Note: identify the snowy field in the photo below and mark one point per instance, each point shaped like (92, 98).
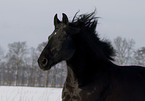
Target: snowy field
(29, 94)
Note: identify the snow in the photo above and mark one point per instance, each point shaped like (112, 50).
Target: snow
(29, 94)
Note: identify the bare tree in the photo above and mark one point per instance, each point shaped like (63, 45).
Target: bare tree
(34, 66)
(15, 57)
(124, 50)
(1, 54)
(139, 56)
(2, 65)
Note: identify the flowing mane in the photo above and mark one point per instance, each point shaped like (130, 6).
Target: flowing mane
(88, 22)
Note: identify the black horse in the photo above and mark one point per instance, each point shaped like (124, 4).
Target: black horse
(92, 76)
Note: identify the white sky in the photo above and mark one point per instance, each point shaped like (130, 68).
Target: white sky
(32, 20)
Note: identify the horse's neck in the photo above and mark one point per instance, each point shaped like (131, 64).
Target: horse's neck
(82, 70)
(71, 79)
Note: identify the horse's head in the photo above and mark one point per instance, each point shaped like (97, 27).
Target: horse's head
(60, 45)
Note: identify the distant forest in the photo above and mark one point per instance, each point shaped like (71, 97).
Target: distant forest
(18, 67)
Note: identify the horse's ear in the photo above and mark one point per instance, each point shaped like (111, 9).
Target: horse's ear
(56, 20)
(64, 18)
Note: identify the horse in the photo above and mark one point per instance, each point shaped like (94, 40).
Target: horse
(91, 73)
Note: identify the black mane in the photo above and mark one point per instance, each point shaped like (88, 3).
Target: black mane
(89, 22)
(86, 21)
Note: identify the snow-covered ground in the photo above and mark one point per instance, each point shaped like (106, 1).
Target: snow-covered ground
(29, 94)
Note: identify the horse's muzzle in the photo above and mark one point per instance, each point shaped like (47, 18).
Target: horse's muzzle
(43, 63)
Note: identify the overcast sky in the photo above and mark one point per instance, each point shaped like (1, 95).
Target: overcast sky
(32, 20)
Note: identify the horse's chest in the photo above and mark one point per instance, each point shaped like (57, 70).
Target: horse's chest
(71, 93)
(76, 94)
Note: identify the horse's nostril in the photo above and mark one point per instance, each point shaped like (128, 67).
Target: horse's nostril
(44, 61)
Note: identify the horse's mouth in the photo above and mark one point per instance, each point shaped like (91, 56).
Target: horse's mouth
(45, 69)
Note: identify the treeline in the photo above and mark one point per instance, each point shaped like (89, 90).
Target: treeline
(18, 67)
